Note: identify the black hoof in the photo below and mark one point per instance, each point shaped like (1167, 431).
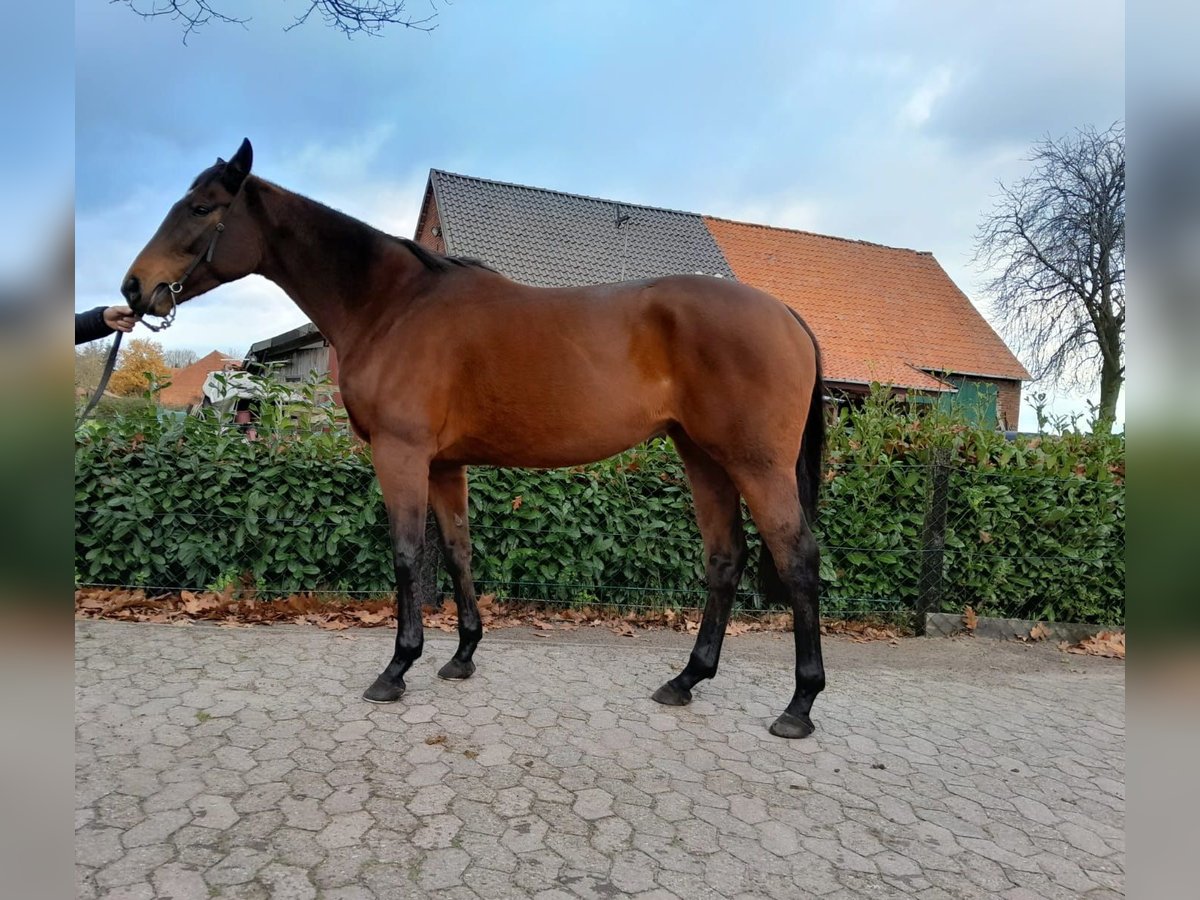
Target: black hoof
(672, 695)
(384, 690)
(457, 669)
(793, 727)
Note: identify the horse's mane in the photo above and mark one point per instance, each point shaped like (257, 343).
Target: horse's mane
(436, 262)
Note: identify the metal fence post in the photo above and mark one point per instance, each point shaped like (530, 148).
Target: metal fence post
(933, 539)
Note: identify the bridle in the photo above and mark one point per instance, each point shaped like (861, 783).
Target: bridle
(176, 287)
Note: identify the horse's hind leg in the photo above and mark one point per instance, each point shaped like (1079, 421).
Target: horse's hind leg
(403, 477)
(718, 512)
(448, 498)
(775, 506)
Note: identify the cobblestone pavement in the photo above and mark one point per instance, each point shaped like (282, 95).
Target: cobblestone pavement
(241, 763)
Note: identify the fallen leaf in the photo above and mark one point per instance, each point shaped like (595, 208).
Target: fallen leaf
(194, 606)
(1109, 644)
(970, 620)
(370, 618)
(435, 739)
(124, 600)
(1039, 632)
(91, 601)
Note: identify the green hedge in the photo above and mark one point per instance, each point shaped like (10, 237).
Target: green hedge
(1035, 527)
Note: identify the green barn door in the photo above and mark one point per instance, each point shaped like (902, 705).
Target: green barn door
(975, 401)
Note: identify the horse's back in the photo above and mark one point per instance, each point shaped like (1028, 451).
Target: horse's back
(526, 376)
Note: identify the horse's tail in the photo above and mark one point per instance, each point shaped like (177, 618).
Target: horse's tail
(808, 474)
(812, 445)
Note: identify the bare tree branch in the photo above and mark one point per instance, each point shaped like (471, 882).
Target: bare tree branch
(351, 18)
(193, 14)
(1056, 241)
(363, 18)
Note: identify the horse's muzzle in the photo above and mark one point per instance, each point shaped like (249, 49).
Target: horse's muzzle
(131, 290)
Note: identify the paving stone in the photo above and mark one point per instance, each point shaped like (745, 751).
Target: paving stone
(211, 811)
(97, 847)
(156, 828)
(239, 866)
(593, 803)
(134, 866)
(344, 830)
(142, 891)
(442, 869)
(551, 774)
(180, 882)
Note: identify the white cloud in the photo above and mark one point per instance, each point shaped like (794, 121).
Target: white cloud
(323, 161)
(919, 106)
(356, 177)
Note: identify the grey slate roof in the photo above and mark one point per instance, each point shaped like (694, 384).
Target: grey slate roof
(551, 239)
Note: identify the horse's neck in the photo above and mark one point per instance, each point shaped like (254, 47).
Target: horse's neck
(327, 262)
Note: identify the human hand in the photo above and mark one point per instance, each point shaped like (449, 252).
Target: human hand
(120, 318)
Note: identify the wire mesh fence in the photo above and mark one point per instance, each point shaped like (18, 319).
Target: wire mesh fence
(896, 539)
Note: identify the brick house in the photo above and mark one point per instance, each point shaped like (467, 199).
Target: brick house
(880, 313)
(187, 383)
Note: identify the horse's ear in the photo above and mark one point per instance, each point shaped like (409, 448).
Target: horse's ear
(238, 168)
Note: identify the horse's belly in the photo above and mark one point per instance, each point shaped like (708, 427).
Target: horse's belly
(548, 438)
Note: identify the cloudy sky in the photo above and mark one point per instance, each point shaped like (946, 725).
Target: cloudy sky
(886, 121)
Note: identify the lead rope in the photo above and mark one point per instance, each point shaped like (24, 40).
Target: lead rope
(176, 288)
(105, 375)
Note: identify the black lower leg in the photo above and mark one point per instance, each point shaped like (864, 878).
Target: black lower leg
(470, 630)
(724, 574)
(457, 551)
(448, 498)
(800, 579)
(410, 633)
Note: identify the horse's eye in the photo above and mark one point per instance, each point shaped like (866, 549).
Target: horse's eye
(201, 210)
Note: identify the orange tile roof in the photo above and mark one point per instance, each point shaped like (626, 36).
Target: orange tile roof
(880, 313)
(187, 383)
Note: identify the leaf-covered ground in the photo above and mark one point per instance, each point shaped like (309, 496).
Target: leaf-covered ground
(229, 611)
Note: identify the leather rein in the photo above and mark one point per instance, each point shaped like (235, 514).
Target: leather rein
(175, 288)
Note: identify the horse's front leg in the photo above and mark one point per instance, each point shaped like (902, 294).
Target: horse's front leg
(448, 500)
(404, 478)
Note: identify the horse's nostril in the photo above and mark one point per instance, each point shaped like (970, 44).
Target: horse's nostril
(132, 289)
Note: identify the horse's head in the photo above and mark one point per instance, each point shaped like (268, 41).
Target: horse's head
(206, 239)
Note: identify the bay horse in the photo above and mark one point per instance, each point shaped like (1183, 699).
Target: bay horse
(445, 363)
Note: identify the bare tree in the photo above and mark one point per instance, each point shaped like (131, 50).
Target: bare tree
(89, 364)
(177, 357)
(365, 17)
(1057, 239)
